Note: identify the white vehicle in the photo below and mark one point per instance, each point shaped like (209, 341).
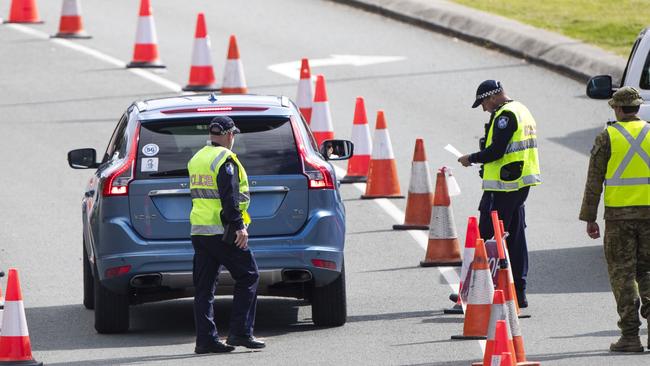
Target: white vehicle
(636, 74)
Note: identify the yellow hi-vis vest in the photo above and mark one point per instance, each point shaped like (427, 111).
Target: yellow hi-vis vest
(206, 203)
(627, 180)
(522, 147)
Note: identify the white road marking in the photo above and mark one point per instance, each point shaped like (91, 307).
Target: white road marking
(449, 273)
(291, 69)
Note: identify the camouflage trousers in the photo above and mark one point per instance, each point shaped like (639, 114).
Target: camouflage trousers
(627, 250)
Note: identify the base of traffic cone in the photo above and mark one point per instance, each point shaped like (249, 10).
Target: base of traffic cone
(15, 22)
(201, 88)
(72, 36)
(21, 363)
(354, 179)
(525, 363)
(441, 264)
(467, 338)
(456, 309)
(364, 197)
(527, 316)
(410, 227)
(145, 65)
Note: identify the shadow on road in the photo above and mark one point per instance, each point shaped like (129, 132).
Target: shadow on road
(70, 327)
(568, 270)
(579, 141)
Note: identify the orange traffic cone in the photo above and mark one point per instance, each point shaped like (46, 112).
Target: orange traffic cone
(420, 196)
(15, 347)
(443, 248)
(321, 119)
(498, 313)
(358, 163)
(305, 96)
(471, 235)
(24, 11)
(501, 343)
(201, 72)
(504, 257)
(2, 303)
(145, 52)
(481, 292)
(234, 81)
(382, 170)
(71, 24)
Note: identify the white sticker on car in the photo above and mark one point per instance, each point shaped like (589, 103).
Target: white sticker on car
(150, 150)
(149, 165)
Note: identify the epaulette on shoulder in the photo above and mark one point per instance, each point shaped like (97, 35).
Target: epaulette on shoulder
(609, 123)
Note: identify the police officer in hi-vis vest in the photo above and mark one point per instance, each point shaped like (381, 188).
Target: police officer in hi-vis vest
(620, 159)
(219, 218)
(508, 153)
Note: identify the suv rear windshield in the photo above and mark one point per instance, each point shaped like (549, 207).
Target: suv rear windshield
(266, 146)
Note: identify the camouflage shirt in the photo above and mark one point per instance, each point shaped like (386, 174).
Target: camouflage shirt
(600, 154)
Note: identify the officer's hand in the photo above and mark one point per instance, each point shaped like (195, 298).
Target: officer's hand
(593, 230)
(464, 160)
(242, 239)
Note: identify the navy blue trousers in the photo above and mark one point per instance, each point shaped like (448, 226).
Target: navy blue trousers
(510, 206)
(209, 254)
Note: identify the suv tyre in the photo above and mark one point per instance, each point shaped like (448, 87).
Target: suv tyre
(111, 310)
(89, 292)
(329, 304)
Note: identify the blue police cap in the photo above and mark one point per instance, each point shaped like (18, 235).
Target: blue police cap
(485, 89)
(222, 125)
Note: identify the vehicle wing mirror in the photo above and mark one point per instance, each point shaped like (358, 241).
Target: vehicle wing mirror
(600, 87)
(82, 159)
(337, 149)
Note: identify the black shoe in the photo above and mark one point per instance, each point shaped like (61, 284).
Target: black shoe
(218, 347)
(246, 341)
(521, 299)
(453, 297)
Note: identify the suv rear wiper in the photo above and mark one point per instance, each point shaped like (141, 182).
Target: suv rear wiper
(175, 172)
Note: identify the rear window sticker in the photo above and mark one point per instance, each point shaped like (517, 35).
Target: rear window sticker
(149, 165)
(150, 150)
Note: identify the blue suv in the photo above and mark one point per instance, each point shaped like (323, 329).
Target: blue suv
(135, 209)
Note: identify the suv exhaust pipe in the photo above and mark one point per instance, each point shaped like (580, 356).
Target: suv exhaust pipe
(146, 280)
(296, 276)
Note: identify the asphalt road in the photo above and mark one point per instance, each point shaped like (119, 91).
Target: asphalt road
(54, 98)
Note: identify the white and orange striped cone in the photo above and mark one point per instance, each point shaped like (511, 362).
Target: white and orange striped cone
(305, 96)
(145, 52)
(234, 81)
(443, 248)
(360, 161)
(513, 319)
(24, 11)
(71, 24)
(321, 118)
(498, 313)
(420, 196)
(471, 235)
(201, 72)
(479, 300)
(504, 257)
(382, 170)
(15, 347)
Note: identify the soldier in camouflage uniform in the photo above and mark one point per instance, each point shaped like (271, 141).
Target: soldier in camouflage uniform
(620, 160)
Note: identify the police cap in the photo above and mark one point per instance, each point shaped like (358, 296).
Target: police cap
(222, 125)
(485, 89)
(626, 96)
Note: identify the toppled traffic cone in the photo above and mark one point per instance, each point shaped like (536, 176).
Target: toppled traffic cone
(145, 52)
(420, 196)
(479, 300)
(234, 81)
(382, 171)
(359, 162)
(15, 347)
(443, 248)
(201, 72)
(305, 96)
(71, 24)
(471, 235)
(321, 118)
(24, 11)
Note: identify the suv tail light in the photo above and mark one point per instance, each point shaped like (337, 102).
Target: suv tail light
(117, 183)
(317, 172)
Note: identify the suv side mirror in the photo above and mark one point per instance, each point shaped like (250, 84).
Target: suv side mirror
(337, 149)
(82, 159)
(600, 87)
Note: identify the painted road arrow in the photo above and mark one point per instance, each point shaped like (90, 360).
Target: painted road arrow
(291, 69)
